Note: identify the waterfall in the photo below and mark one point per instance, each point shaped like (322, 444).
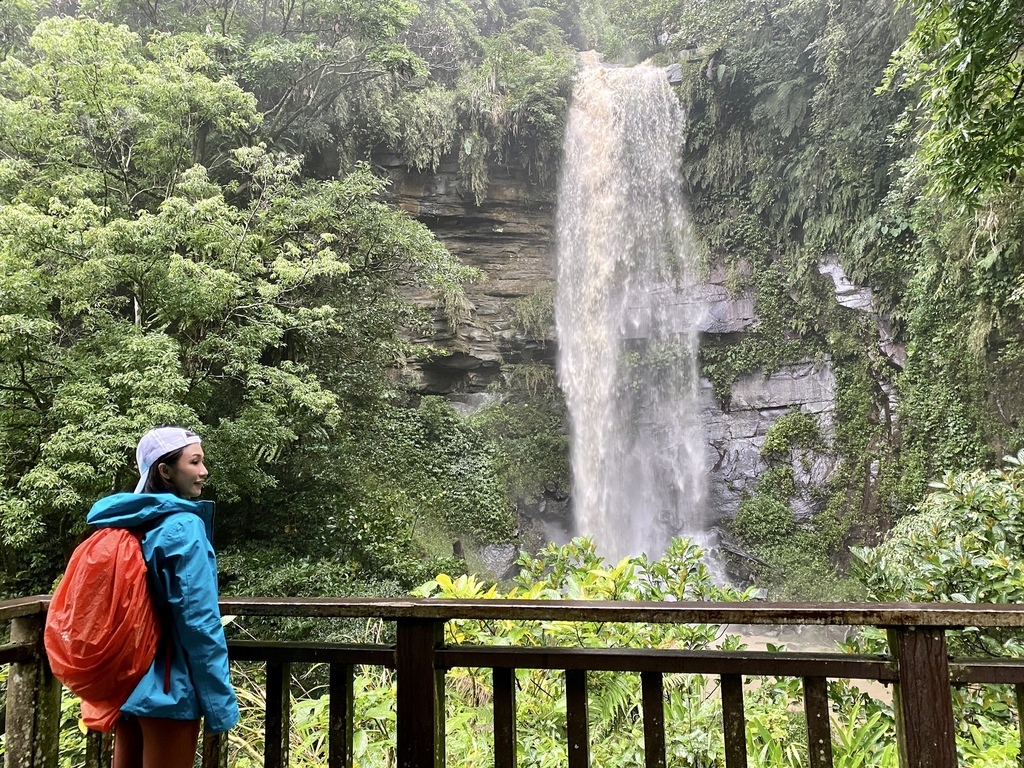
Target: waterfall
(626, 315)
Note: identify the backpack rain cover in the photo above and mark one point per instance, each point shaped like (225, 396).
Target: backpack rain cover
(101, 629)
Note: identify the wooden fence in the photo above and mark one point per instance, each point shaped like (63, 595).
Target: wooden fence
(918, 667)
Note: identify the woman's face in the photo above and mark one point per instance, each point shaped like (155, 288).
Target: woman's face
(188, 474)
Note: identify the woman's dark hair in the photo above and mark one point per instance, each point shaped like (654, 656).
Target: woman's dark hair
(155, 482)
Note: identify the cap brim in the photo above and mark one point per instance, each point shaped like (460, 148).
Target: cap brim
(141, 485)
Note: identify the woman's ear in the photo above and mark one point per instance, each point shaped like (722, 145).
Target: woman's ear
(164, 470)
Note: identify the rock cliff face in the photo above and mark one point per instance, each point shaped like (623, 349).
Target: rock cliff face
(735, 436)
(511, 238)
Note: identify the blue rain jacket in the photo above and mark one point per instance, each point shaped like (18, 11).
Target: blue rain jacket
(183, 577)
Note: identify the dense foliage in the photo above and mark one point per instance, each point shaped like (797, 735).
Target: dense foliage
(964, 544)
(188, 233)
(159, 264)
(966, 59)
(862, 725)
(483, 82)
(823, 133)
(693, 710)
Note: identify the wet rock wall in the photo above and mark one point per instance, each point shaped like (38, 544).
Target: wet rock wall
(510, 237)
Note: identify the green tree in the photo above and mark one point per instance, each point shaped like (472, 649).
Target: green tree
(337, 80)
(88, 110)
(965, 59)
(962, 67)
(302, 61)
(138, 289)
(963, 544)
(506, 108)
(17, 18)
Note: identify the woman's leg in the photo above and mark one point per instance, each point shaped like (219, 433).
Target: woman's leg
(127, 744)
(168, 743)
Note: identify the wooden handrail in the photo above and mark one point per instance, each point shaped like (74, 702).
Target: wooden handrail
(947, 615)
(23, 606)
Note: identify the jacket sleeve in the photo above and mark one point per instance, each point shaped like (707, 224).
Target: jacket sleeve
(192, 597)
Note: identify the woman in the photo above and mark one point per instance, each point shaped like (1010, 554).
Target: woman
(159, 724)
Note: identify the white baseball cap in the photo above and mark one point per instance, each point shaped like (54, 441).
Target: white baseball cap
(157, 443)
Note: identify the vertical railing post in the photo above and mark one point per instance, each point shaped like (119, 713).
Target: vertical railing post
(420, 706)
(734, 723)
(576, 718)
(922, 701)
(1018, 694)
(215, 750)
(819, 731)
(278, 720)
(342, 705)
(652, 694)
(99, 749)
(504, 685)
(33, 703)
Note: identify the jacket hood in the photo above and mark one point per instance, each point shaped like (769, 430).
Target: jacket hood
(133, 510)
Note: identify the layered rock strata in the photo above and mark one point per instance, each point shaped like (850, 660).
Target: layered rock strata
(510, 238)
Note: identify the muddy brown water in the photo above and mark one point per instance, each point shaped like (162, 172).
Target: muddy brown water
(805, 639)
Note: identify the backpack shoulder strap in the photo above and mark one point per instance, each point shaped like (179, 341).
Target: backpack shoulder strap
(162, 609)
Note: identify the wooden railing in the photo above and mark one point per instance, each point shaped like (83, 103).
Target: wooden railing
(918, 668)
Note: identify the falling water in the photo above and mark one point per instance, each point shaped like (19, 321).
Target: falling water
(626, 318)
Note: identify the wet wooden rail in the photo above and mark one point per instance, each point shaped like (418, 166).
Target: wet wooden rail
(918, 668)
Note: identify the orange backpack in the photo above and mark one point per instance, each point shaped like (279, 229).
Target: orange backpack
(102, 629)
